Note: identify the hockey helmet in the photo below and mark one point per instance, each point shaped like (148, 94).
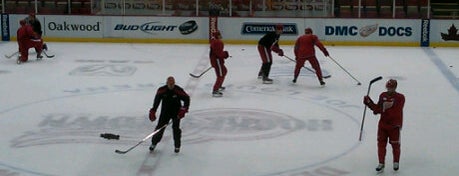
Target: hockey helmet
(391, 83)
(216, 34)
(22, 22)
(279, 27)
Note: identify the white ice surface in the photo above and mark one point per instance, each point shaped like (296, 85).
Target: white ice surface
(52, 112)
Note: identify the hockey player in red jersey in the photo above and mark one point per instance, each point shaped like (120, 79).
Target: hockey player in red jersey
(304, 50)
(217, 60)
(36, 26)
(171, 97)
(27, 39)
(390, 106)
(269, 42)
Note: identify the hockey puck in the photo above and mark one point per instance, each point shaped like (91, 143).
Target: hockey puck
(110, 136)
(359, 83)
(188, 27)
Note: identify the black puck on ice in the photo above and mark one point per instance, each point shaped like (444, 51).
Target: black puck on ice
(110, 136)
(188, 27)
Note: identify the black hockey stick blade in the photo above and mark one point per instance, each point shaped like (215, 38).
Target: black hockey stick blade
(48, 56)
(10, 56)
(198, 76)
(194, 76)
(120, 152)
(143, 140)
(326, 76)
(375, 79)
(125, 151)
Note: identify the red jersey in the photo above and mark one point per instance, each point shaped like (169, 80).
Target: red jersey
(25, 33)
(304, 46)
(390, 106)
(217, 52)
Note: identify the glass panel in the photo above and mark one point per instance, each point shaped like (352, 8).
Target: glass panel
(400, 9)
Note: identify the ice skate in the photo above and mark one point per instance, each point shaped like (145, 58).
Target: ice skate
(217, 93)
(221, 89)
(380, 167)
(177, 150)
(294, 80)
(260, 75)
(322, 83)
(396, 166)
(39, 56)
(267, 81)
(152, 147)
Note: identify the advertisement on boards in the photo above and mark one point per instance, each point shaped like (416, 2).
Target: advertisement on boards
(75, 26)
(425, 32)
(5, 27)
(372, 30)
(257, 28)
(444, 31)
(156, 27)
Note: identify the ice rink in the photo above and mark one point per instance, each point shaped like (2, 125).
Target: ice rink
(52, 112)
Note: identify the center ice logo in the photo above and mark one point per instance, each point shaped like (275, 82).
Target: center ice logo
(53, 131)
(239, 124)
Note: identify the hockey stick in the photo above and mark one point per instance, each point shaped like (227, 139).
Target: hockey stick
(358, 82)
(46, 54)
(17, 52)
(198, 76)
(11, 55)
(143, 140)
(365, 109)
(307, 68)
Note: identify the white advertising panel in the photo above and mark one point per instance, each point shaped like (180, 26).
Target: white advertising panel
(72, 26)
(353, 30)
(255, 28)
(384, 30)
(14, 23)
(444, 31)
(156, 27)
(245, 30)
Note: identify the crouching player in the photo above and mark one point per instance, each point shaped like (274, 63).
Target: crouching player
(27, 39)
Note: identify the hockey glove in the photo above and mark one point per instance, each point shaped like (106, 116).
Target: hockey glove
(182, 112)
(367, 100)
(152, 115)
(281, 52)
(326, 53)
(225, 54)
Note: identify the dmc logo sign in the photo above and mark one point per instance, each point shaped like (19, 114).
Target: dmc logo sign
(367, 30)
(149, 27)
(262, 28)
